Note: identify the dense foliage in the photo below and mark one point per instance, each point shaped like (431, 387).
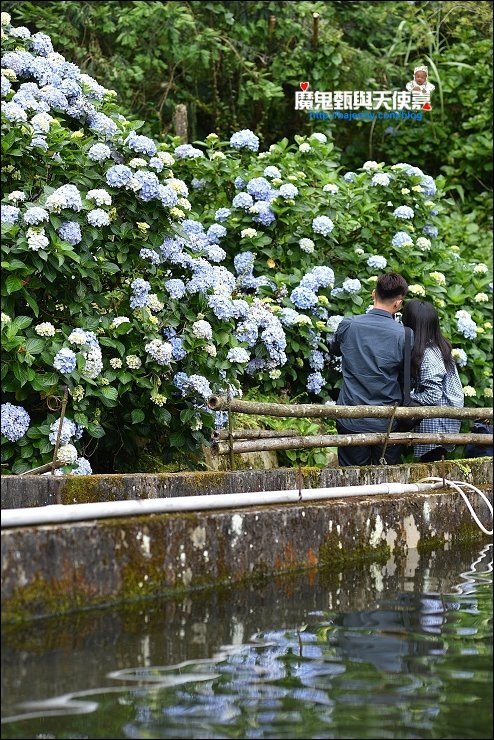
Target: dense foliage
(146, 276)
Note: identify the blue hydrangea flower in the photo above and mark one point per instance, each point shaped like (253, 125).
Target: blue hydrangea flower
(430, 230)
(377, 262)
(303, 298)
(215, 253)
(176, 288)
(404, 212)
(41, 44)
(65, 361)
(322, 225)
(36, 215)
(168, 196)
(14, 421)
(352, 285)
(288, 316)
(244, 262)
(428, 186)
(243, 200)
(151, 255)
(13, 112)
(140, 289)
(141, 144)
(102, 125)
(316, 359)
(178, 352)
(200, 385)
(239, 183)
(401, 239)
(259, 188)
(187, 151)
(83, 467)
(380, 178)
(99, 152)
(238, 354)
(315, 382)
(118, 175)
(98, 217)
(5, 86)
(9, 214)
(70, 232)
(222, 214)
(192, 227)
(272, 172)
(262, 213)
(349, 176)
(245, 139)
(215, 232)
(288, 191)
(39, 142)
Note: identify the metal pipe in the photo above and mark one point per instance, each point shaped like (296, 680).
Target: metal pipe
(63, 513)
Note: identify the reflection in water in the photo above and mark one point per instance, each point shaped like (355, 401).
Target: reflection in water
(397, 651)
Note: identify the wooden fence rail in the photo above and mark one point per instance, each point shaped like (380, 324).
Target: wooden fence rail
(252, 440)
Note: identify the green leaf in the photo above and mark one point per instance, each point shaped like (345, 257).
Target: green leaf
(35, 345)
(137, 416)
(96, 431)
(13, 284)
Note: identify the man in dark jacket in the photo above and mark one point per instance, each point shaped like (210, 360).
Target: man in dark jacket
(371, 347)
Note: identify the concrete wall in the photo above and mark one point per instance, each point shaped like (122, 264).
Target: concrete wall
(41, 490)
(54, 569)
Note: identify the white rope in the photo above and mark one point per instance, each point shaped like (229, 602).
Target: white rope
(456, 485)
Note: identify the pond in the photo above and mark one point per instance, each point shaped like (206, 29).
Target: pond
(395, 650)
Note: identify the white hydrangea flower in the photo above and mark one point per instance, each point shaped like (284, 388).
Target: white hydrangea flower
(45, 329)
(116, 363)
(119, 320)
(16, 196)
(166, 158)
(370, 165)
(416, 290)
(304, 148)
(306, 245)
(133, 362)
(67, 454)
(77, 336)
(41, 122)
(100, 197)
(481, 298)
(248, 233)
(153, 302)
(438, 278)
(480, 269)
(322, 138)
(331, 188)
(37, 239)
(137, 162)
(423, 243)
(469, 392)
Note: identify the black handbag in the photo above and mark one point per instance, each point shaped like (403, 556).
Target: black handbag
(407, 425)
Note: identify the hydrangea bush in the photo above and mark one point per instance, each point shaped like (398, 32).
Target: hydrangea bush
(145, 276)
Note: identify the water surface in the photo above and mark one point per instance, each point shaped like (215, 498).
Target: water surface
(402, 650)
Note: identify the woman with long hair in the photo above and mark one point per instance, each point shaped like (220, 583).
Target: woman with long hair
(435, 378)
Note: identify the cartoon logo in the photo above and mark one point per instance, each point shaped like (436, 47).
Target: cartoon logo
(420, 87)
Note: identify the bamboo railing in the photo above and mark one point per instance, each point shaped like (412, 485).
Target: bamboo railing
(249, 440)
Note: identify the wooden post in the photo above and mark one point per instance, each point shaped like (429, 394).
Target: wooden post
(315, 30)
(180, 122)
